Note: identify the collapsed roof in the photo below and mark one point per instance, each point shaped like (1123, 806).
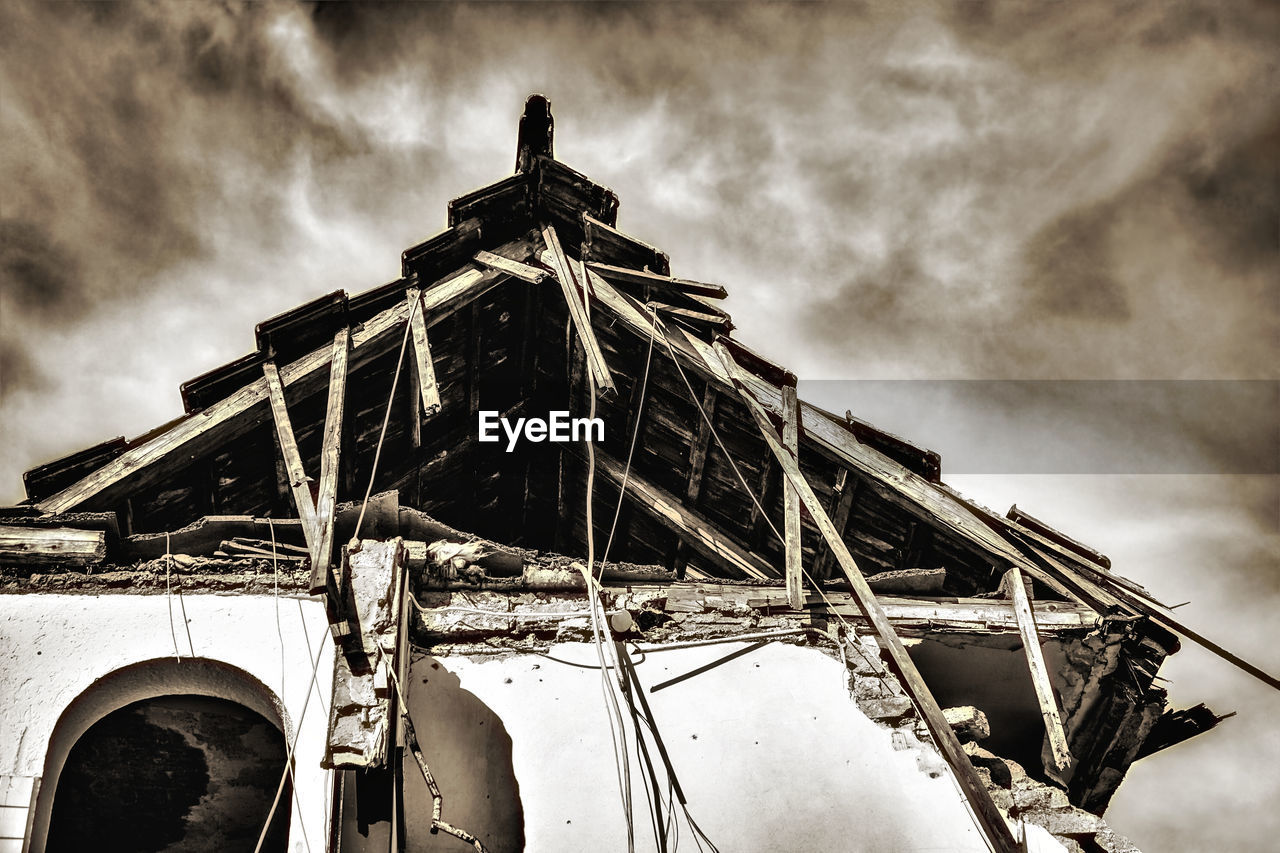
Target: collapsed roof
(530, 301)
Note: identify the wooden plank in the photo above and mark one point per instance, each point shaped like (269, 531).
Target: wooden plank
(791, 503)
(298, 482)
(988, 815)
(51, 546)
(330, 451)
(150, 461)
(702, 535)
(582, 323)
(524, 272)
(429, 391)
(1039, 672)
(640, 278)
(844, 493)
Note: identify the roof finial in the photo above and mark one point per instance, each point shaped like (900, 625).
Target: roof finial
(536, 129)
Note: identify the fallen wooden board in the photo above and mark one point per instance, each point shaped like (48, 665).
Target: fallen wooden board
(1039, 672)
(51, 546)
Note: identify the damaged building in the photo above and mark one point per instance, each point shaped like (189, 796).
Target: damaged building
(322, 611)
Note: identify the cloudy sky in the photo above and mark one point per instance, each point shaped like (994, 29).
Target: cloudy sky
(898, 191)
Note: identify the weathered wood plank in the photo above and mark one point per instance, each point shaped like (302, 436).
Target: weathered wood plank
(330, 452)
(1039, 672)
(426, 368)
(640, 278)
(791, 503)
(697, 462)
(698, 532)
(989, 817)
(581, 321)
(51, 546)
(298, 482)
(524, 272)
(162, 455)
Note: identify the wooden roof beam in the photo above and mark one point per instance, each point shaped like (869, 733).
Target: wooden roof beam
(577, 310)
(701, 534)
(662, 283)
(1039, 672)
(988, 815)
(791, 503)
(322, 576)
(298, 481)
(428, 390)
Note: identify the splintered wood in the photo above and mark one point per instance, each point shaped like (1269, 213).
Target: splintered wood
(360, 714)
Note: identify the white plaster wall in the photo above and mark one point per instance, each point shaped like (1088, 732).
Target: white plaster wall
(772, 752)
(53, 647)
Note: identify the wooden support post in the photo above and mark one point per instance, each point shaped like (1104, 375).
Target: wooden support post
(327, 498)
(791, 502)
(846, 491)
(1039, 672)
(578, 312)
(988, 815)
(700, 534)
(298, 484)
(427, 388)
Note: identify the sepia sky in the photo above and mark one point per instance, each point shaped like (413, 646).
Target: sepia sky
(891, 191)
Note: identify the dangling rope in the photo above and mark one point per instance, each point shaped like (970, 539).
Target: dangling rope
(386, 418)
(168, 596)
(635, 431)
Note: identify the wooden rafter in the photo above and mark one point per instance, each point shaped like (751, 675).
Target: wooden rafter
(701, 534)
(1039, 672)
(330, 454)
(989, 817)
(577, 310)
(298, 482)
(424, 365)
(791, 503)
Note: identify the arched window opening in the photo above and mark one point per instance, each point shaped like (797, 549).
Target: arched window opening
(190, 773)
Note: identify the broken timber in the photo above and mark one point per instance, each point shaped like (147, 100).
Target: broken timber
(298, 481)
(51, 546)
(1039, 672)
(988, 815)
(327, 500)
(791, 502)
(425, 366)
(577, 310)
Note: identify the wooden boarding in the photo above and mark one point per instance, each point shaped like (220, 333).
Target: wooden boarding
(51, 546)
(581, 322)
(524, 272)
(846, 489)
(988, 815)
(302, 499)
(322, 578)
(791, 503)
(425, 366)
(1039, 672)
(698, 532)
